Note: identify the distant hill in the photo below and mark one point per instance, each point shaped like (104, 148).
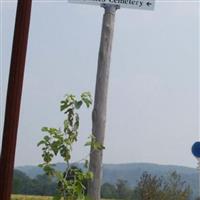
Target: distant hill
(130, 172)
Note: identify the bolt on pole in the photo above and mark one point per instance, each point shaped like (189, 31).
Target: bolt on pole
(13, 100)
(100, 102)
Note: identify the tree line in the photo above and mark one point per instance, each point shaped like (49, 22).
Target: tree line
(41, 185)
(149, 187)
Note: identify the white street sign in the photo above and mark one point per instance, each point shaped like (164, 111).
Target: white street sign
(135, 4)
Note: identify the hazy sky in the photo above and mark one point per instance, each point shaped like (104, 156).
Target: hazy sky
(153, 91)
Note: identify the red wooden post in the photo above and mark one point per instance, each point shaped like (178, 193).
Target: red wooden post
(14, 92)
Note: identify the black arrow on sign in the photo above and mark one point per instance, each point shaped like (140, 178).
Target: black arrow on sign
(149, 4)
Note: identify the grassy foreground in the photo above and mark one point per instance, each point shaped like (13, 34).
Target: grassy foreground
(27, 197)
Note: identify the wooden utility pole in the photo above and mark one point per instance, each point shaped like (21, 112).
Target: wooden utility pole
(100, 102)
(14, 97)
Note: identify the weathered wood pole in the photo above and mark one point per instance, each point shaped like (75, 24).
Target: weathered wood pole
(100, 102)
(14, 92)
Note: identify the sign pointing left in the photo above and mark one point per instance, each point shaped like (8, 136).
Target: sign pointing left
(135, 4)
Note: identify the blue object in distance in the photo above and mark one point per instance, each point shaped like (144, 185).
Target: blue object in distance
(196, 149)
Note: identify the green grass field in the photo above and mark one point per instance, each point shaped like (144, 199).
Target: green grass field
(27, 197)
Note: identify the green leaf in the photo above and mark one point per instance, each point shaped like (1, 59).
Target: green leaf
(55, 147)
(90, 175)
(46, 138)
(86, 98)
(70, 110)
(63, 105)
(98, 146)
(45, 129)
(78, 104)
(40, 143)
(41, 165)
(88, 143)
